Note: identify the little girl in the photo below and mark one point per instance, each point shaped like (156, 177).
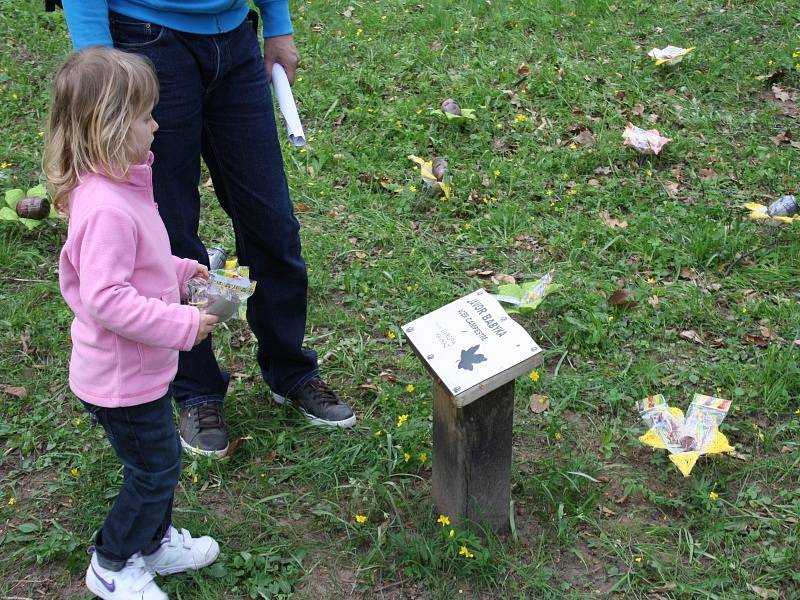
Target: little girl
(118, 276)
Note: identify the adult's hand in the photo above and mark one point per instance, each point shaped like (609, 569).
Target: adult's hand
(281, 49)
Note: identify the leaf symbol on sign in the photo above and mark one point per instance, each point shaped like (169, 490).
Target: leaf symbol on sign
(470, 357)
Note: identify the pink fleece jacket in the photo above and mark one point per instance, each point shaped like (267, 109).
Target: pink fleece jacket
(119, 277)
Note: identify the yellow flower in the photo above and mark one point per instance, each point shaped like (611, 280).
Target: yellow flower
(195, 478)
(4, 165)
(452, 533)
(564, 176)
(359, 31)
(651, 280)
(520, 118)
(548, 192)
(464, 551)
(443, 520)
(637, 558)
(557, 435)
(497, 172)
(378, 433)
(573, 146)
(534, 376)
(423, 457)
(572, 192)
(761, 435)
(361, 519)
(12, 501)
(406, 456)
(610, 318)
(390, 334)
(797, 412)
(649, 172)
(410, 388)
(771, 62)
(713, 496)
(795, 54)
(499, 126)
(412, 188)
(75, 472)
(401, 420)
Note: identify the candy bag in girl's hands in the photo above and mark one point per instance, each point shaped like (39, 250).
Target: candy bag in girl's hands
(224, 293)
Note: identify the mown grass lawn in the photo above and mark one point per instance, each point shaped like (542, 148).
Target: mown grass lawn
(528, 198)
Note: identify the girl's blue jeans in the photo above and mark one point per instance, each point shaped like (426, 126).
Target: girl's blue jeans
(146, 443)
(215, 103)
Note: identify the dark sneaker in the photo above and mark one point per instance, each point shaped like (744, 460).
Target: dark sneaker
(320, 404)
(203, 430)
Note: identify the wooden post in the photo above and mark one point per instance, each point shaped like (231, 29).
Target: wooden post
(474, 351)
(472, 457)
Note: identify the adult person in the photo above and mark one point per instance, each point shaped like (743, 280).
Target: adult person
(215, 102)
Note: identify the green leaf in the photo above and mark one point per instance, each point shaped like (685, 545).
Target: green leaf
(28, 527)
(14, 196)
(39, 191)
(8, 214)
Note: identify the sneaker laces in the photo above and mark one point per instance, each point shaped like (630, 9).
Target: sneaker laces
(322, 393)
(209, 416)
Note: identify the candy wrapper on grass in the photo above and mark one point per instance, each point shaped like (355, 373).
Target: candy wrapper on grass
(434, 175)
(686, 439)
(648, 141)
(671, 55)
(783, 210)
(224, 294)
(453, 113)
(527, 297)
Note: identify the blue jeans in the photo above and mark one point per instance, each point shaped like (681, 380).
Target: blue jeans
(216, 103)
(147, 445)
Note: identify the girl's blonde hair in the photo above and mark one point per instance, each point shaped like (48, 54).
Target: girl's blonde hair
(97, 94)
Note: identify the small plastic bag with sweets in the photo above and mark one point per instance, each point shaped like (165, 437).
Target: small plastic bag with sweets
(655, 412)
(702, 422)
(224, 293)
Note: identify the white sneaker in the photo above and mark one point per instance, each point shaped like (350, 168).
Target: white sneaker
(181, 552)
(133, 582)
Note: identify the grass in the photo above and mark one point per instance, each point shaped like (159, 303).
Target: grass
(525, 202)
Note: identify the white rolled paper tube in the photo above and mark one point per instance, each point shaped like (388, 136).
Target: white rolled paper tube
(283, 93)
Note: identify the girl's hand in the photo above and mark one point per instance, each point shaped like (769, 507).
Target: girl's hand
(201, 272)
(207, 323)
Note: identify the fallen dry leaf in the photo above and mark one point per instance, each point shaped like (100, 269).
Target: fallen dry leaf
(479, 272)
(621, 299)
(593, 182)
(236, 444)
(739, 455)
(602, 171)
(783, 136)
(692, 336)
(781, 94)
(687, 273)
(523, 69)
(538, 403)
(707, 173)
(757, 340)
(653, 301)
(348, 12)
(611, 221)
(765, 593)
(670, 92)
(637, 109)
(606, 512)
(503, 278)
(12, 390)
(584, 138)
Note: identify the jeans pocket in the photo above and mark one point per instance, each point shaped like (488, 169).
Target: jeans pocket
(132, 35)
